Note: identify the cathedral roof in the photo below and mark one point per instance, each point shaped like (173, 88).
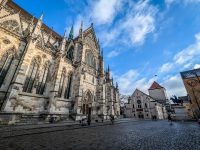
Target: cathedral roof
(155, 85)
(25, 14)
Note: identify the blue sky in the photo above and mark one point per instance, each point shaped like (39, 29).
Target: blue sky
(140, 38)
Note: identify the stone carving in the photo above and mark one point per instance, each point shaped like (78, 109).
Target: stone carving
(27, 106)
(90, 40)
(60, 104)
(6, 41)
(11, 25)
(15, 87)
(55, 71)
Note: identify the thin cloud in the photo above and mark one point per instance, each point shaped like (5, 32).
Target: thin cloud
(174, 86)
(104, 11)
(165, 68)
(133, 28)
(113, 54)
(189, 53)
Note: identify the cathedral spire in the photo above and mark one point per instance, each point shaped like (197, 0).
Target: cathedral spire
(102, 53)
(19, 12)
(62, 45)
(31, 22)
(32, 19)
(108, 72)
(71, 34)
(28, 30)
(112, 80)
(50, 35)
(38, 24)
(116, 85)
(81, 29)
(41, 17)
(65, 35)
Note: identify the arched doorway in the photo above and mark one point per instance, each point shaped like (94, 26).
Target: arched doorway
(140, 115)
(87, 104)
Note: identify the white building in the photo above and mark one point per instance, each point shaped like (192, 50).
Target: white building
(159, 94)
(141, 105)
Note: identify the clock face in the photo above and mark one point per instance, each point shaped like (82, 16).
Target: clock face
(139, 101)
(192, 82)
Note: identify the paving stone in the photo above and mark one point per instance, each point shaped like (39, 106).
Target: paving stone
(129, 135)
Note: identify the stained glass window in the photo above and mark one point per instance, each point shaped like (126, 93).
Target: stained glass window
(5, 64)
(31, 76)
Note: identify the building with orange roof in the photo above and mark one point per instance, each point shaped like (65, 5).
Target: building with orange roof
(158, 92)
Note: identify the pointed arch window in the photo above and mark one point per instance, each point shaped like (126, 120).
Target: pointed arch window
(5, 64)
(43, 80)
(94, 64)
(87, 59)
(68, 88)
(30, 79)
(62, 79)
(70, 53)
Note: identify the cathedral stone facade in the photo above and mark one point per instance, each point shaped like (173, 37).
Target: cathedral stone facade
(43, 74)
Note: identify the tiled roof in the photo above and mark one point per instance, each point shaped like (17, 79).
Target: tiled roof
(155, 85)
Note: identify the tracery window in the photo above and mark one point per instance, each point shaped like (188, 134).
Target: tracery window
(43, 80)
(30, 79)
(68, 87)
(90, 59)
(62, 79)
(87, 59)
(70, 53)
(5, 64)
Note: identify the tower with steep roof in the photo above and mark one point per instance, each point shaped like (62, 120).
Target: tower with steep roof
(158, 92)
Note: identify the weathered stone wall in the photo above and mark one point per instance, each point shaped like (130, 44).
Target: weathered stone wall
(30, 40)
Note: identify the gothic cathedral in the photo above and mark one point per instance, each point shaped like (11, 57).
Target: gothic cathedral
(43, 74)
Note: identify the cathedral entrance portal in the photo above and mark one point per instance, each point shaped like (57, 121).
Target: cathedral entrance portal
(140, 115)
(87, 104)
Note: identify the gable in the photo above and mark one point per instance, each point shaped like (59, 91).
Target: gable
(12, 23)
(90, 38)
(155, 85)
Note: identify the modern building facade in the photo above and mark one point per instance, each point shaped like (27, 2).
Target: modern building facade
(44, 74)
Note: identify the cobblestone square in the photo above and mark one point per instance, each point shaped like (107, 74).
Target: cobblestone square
(130, 135)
